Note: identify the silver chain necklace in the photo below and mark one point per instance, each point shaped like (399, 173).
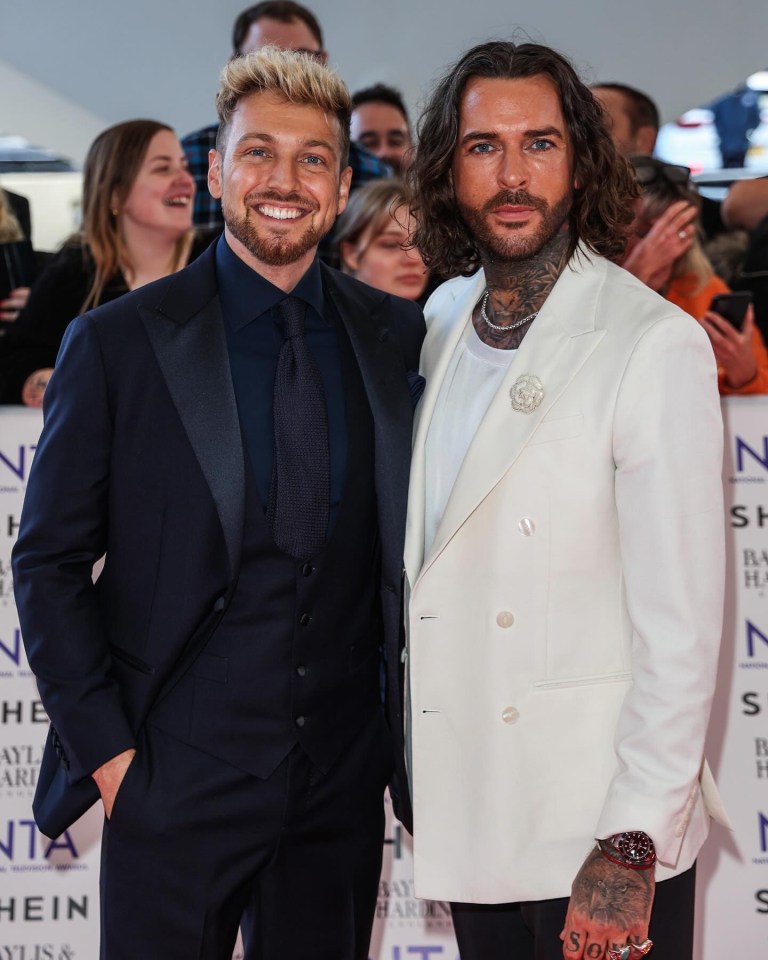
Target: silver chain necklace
(496, 326)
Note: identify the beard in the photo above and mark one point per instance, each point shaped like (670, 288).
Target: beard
(509, 242)
(272, 249)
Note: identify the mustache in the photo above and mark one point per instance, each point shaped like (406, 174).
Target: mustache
(272, 196)
(514, 198)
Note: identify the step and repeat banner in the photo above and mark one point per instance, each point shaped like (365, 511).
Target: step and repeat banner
(49, 888)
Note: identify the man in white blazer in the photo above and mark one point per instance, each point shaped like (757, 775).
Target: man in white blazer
(564, 547)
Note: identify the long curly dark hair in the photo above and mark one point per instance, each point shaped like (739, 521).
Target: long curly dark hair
(602, 208)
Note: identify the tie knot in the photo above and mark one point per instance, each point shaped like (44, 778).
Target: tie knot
(292, 311)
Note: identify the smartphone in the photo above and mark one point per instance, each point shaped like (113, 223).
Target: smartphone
(732, 306)
(17, 266)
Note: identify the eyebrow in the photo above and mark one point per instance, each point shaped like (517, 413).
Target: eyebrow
(269, 138)
(474, 135)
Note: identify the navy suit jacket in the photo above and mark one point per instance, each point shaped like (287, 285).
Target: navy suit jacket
(141, 461)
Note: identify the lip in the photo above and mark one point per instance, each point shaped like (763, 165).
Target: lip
(178, 201)
(411, 278)
(509, 212)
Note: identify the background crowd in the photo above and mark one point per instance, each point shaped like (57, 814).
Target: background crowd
(146, 212)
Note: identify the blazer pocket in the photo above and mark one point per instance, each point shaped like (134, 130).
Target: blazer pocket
(622, 676)
(559, 429)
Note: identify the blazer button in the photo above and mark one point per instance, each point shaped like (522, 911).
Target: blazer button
(510, 715)
(301, 670)
(300, 721)
(526, 527)
(505, 619)
(304, 619)
(219, 605)
(307, 570)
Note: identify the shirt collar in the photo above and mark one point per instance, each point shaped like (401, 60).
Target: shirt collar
(245, 294)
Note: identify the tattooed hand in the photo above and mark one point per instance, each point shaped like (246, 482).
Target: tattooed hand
(610, 906)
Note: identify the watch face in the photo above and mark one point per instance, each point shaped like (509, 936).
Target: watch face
(636, 846)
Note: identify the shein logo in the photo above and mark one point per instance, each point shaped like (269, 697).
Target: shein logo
(743, 450)
(18, 463)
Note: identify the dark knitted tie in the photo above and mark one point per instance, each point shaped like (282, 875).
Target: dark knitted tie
(299, 496)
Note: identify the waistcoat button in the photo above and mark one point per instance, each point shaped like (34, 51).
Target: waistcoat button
(505, 619)
(304, 619)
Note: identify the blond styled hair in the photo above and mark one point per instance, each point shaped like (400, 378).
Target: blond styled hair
(294, 77)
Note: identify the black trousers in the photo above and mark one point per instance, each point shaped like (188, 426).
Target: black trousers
(531, 930)
(196, 847)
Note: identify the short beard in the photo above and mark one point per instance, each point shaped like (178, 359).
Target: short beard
(515, 246)
(275, 251)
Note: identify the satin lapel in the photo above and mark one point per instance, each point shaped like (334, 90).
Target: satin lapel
(366, 318)
(558, 344)
(193, 356)
(449, 329)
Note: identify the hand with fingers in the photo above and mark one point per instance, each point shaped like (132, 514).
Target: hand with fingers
(13, 304)
(733, 348)
(651, 259)
(609, 911)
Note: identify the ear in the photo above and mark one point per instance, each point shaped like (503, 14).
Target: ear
(349, 256)
(345, 181)
(215, 161)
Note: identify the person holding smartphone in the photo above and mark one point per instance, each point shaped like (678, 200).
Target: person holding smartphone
(675, 265)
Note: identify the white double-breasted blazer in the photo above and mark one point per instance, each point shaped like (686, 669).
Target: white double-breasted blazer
(564, 625)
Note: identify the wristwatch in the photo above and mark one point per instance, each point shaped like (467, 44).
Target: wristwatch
(633, 849)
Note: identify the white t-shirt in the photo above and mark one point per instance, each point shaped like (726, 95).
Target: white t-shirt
(473, 376)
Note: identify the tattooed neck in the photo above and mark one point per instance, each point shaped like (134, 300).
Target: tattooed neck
(519, 288)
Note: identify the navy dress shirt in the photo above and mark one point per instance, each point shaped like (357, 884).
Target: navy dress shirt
(254, 337)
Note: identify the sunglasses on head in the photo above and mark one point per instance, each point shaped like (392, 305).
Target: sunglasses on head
(649, 169)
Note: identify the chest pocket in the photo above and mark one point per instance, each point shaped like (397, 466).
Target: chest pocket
(560, 428)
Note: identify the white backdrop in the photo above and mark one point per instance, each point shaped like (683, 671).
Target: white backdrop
(49, 889)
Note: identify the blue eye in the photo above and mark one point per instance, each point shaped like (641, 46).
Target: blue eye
(482, 148)
(541, 145)
(314, 161)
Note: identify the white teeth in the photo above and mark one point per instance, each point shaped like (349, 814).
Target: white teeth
(177, 202)
(280, 213)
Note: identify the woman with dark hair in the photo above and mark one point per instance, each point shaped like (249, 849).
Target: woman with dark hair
(673, 262)
(137, 227)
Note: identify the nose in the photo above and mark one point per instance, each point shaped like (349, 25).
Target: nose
(185, 178)
(283, 175)
(513, 169)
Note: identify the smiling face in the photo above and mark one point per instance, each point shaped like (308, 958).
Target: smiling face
(512, 167)
(160, 198)
(379, 258)
(280, 182)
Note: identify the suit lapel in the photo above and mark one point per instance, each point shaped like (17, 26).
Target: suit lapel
(449, 330)
(366, 317)
(190, 344)
(554, 350)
